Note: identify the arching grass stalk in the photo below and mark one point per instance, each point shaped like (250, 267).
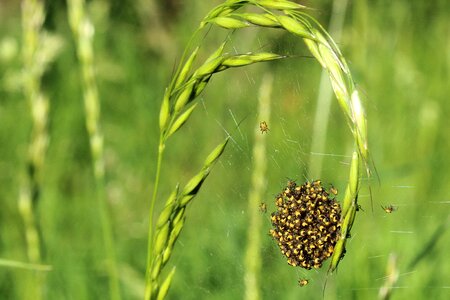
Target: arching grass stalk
(188, 83)
(83, 31)
(39, 48)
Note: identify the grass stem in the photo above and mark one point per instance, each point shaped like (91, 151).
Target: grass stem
(253, 252)
(32, 23)
(148, 280)
(83, 31)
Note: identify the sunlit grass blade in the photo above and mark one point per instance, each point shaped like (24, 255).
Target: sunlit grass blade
(26, 266)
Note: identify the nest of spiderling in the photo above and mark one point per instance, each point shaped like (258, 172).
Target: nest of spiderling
(306, 224)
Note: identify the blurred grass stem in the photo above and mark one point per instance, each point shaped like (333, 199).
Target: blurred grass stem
(32, 21)
(24, 266)
(83, 31)
(253, 252)
(323, 106)
(392, 275)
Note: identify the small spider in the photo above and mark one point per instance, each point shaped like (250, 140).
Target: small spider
(263, 207)
(333, 190)
(263, 127)
(389, 209)
(303, 282)
(359, 207)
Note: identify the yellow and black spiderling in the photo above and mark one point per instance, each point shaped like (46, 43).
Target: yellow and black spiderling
(263, 207)
(333, 190)
(264, 127)
(303, 282)
(306, 224)
(389, 209)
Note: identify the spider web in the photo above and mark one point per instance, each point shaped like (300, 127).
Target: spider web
(387, 251)
(384, 250)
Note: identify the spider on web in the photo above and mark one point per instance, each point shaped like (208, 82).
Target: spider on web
(303, 282)
(264, 127)
(389, 209)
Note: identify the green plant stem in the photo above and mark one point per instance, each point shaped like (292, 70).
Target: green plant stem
(83, 31)
(108, 240)
(24, 265)
(33, 16)
(253, 253)
(148, 280)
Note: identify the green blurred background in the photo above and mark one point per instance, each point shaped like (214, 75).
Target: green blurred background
(399, 53)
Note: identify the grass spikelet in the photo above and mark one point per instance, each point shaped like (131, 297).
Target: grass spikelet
(218, 52)
(184, 96)
(248, 59)
(161, 238)
(200, 86)
(178, 226)
(192, 187)
(264, 20)
(293, 26)
(353, 183)
(278, 4)
(361, 125)
(186, 68)
(164, 289)
(209, 67)
(349, 208)
(164, 112)
(181, 120)
(164, 215)
(156, 268)
(215, 154)
(229, 22)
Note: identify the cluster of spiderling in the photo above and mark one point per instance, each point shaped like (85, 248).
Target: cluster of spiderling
(306, 224)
